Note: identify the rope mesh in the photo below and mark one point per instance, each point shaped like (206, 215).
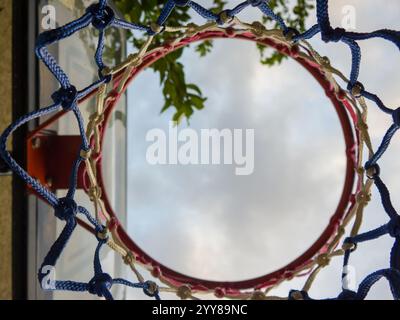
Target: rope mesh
(112, 83)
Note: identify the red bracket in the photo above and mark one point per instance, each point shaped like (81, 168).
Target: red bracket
(50, 159)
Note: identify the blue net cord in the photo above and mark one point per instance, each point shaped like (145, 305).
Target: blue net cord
(130, 26)
(89, 217)
(101, 17)
(391, 275)
(74, 178)
(99, 51)
(48, 37)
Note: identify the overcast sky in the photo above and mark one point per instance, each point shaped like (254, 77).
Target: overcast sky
(205, 221)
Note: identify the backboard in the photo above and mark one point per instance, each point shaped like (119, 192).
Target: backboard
(75, 56)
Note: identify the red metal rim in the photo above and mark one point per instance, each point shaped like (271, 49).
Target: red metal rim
(343, 109)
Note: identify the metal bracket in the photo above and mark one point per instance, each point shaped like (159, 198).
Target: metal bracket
(50, 159)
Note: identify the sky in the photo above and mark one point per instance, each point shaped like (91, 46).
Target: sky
(205, 221)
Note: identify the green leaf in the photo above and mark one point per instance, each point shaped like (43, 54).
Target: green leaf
(197, 102)
(195, 88)
(204, 48)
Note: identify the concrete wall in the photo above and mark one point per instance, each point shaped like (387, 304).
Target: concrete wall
(5, 119)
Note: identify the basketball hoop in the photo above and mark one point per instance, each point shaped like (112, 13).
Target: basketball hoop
(234, 288)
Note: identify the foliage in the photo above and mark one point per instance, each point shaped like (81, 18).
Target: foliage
(187, 97)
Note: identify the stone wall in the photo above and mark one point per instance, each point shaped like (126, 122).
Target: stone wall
(5, 119)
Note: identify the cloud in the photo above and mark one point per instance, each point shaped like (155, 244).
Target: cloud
(207, 222)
